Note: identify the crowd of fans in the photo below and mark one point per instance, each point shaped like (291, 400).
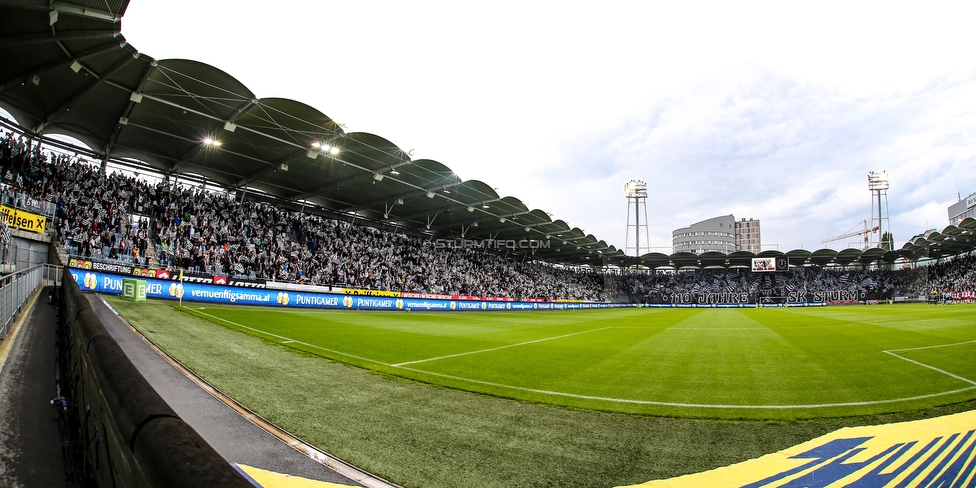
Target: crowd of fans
(952, 279)
(798, 282)
(211, 232)
(118, 217)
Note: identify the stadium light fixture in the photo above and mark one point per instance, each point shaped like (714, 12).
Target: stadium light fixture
(470, 209)
(430, 194)
(324, 148)
(209, 141)
(377, 176)
(635, 189)
(878, 180)
(485, 205)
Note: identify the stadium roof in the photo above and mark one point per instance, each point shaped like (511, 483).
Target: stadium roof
(68, 70)
(953, 240)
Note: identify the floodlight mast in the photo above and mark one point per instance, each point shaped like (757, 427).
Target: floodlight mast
(878, 184)
(636, 193)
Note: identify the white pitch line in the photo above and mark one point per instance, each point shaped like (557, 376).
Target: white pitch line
(286, 340)
(932, 347)
(693, 405)
(400, 365)
(933, 368)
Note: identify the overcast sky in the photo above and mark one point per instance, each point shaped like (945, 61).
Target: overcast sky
(774, 111)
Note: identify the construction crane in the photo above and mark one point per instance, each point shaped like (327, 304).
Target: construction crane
(866, 232)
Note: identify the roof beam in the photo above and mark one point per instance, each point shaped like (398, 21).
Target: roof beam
(490, 216)
(26, 39)
(359, 176)
(217, 119)
(272, 167)
(240, 110)
(25, 76)
(85, 89)
(126, 112)
(85, 11)
(444, 209)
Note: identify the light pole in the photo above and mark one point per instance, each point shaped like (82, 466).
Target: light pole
(878, 184)
(636, 193)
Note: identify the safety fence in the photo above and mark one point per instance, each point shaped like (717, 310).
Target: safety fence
(17, 288)
(120, 430)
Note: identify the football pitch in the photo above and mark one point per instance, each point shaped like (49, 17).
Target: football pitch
(775, 364)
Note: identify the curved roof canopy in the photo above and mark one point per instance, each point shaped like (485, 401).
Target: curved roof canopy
(68, 70)
(954, 239)
(932, 244)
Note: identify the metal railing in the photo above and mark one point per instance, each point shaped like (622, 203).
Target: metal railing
(16, 288)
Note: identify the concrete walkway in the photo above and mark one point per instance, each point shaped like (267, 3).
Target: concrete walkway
(30, 435)
(235, 438)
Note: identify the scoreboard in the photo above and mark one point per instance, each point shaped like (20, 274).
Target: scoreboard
(771, 264)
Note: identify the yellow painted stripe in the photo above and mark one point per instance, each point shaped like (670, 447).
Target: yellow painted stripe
(270, 479)
(7, 344)
(932, 451)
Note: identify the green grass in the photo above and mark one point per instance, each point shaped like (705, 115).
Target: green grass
(421, 435)
(712, 363)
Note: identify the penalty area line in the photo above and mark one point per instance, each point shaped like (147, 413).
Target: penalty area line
(933, 368)
(448, 356)
(932, 347)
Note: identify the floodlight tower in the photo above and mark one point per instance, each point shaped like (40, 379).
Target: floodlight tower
(636, 193)
(878, 184)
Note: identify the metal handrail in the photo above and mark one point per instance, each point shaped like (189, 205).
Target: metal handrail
(17, 288)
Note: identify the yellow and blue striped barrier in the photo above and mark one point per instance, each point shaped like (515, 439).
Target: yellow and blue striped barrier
(934, 452)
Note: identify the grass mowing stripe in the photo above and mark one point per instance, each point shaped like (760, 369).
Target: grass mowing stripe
(707, 363)
(708, 405)
(285, 340)
(497, 348)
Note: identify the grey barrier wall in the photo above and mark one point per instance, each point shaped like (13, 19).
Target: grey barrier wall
(120, 431)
